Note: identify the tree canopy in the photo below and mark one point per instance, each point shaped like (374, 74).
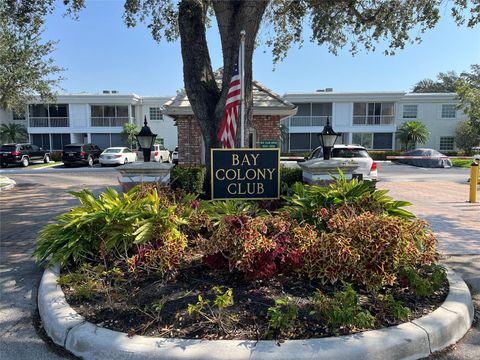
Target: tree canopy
(445, 83)
(468, 91)
(448, 82)
(26, 68)
(279, 24)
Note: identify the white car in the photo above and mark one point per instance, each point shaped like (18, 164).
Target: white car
(356, 153)
(175, 155)
(117, 156)
(158, 154)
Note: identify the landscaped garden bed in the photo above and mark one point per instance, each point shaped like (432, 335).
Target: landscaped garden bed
(320, 262)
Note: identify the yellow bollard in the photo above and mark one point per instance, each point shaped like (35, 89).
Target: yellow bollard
(473, 182)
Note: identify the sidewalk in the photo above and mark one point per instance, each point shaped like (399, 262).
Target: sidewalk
(456, 224)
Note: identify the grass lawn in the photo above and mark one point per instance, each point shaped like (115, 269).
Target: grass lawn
(465, 163)
(38, 166)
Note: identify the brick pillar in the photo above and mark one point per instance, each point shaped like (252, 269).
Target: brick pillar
(189, 140)
(267, 127)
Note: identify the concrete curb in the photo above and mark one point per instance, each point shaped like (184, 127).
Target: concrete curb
(10, 184)
(412, 340)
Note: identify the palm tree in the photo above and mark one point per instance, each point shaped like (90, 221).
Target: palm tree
(13, 133)
(129, 131)
(412, 133)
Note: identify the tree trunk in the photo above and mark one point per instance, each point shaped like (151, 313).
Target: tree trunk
(206, 99)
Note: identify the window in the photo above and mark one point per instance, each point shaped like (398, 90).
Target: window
(155, 113)
(322, 109)
(52, 111)
(373, 113)
(446, 143)
(300, 142)
(161, 142)
(303, 109)
(448, 111)
(363, 139)
(410, 111)
(119, 111)
(60, 140)
(41, 140)
(382, 141)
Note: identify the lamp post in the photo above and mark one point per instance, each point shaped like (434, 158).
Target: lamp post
(145, 139)
(327, 139)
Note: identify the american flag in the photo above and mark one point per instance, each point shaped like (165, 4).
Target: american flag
(228, 127)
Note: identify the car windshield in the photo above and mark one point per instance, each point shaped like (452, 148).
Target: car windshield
(72, 148)
(112, 151)
(349, 153)
(8, 148)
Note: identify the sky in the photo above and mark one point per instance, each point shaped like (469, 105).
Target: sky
(100, 53)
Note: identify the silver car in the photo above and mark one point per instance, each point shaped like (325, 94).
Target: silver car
(356, 153)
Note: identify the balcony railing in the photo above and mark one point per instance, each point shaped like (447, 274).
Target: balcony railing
(373, 120)
(49, 121)
(109, 121)
(308, 120)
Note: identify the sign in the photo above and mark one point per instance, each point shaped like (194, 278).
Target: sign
(269, 144)
(248, 174)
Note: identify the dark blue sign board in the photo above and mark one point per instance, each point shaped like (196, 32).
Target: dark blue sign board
(248, 174)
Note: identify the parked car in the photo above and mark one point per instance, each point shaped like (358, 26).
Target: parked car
(431, 159)
(117, 156)
(159, 154)
(81, 154)
(22, 154)
(175, 155)
(356, 153)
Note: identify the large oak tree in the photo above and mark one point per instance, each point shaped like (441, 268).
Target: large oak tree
(336, 23)
(26, 67)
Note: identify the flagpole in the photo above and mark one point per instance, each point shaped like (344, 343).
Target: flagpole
(242, 88)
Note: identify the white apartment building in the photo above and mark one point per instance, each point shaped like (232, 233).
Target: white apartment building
(93, 118)
(370, 119)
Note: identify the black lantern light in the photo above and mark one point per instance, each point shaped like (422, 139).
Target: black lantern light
(145, 139)
(327, 139)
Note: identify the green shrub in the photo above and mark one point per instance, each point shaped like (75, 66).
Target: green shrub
(215, 314)
(257, 246)
(307, 202)
(342, 310)
(388, 305)
(113, 223)
(424, 281)
(56, 156)
(281, 317)
(381, 155)
(369, 249)
(188, 178)
(288, 177)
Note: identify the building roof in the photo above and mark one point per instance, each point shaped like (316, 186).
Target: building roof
(265, 102)
(400, 96)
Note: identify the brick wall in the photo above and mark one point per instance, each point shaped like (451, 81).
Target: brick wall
(267, 127)
(190, 139)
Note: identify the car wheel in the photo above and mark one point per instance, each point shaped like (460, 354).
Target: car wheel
(170, 159)
(66, 165)
(102, 165)
(25, 162)
(46, 159)
(4, 165)
(90, 161)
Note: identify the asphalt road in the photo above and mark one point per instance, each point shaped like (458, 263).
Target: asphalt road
(42, 193)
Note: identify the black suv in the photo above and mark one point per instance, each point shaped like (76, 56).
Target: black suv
(83, 154)
(22, 154)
